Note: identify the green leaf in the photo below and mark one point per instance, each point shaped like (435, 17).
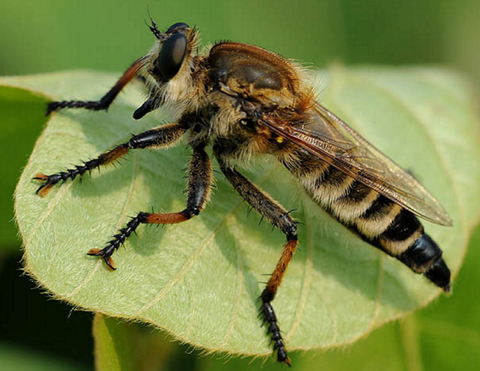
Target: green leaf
(449, 331)
(113, 348)
(19, 130)
(200, 280)
(382, 347)
(444, 336)
(121, 345)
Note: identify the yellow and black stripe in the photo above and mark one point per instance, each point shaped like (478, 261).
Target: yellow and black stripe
(377, 219)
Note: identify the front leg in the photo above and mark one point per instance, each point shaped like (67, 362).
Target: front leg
(107, 99)
(161, 137)
(280, 218)
(199, 188)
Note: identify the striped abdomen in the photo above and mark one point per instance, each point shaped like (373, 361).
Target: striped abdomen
(377, 219)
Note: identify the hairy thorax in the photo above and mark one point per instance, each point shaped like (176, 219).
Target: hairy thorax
(243, 81)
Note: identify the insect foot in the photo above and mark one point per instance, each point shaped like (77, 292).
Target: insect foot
(48, 182)
(106, 254)
(118, 240)
(269, 317)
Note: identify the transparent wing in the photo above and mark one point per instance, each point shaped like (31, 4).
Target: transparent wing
(326, 136)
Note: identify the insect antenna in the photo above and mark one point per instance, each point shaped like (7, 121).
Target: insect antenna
(153, 27)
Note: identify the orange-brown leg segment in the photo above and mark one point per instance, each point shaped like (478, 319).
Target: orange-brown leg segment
(268, 295)
(280, 218)
(107, 99)
(162, 136)
(199, 188)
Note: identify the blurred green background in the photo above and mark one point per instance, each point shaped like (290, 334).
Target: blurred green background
(49, 35)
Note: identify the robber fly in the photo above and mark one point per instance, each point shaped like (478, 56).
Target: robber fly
(244, 100)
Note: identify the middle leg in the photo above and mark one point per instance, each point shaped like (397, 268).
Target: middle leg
(280, 218)
(199, 188)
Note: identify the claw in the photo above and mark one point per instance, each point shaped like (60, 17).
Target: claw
(94, 252)
(40, 176)
(48, 182)
(109, 262)
(107, 258)
(45, 188)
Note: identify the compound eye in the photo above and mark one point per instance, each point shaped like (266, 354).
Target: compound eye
(171, 56)
(179, 26)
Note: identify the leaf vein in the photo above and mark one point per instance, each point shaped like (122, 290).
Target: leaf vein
(193, 258)
(188, 264)
(240, 280)
(121, 220)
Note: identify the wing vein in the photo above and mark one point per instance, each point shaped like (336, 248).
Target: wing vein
(121, 221)
(442, 160)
